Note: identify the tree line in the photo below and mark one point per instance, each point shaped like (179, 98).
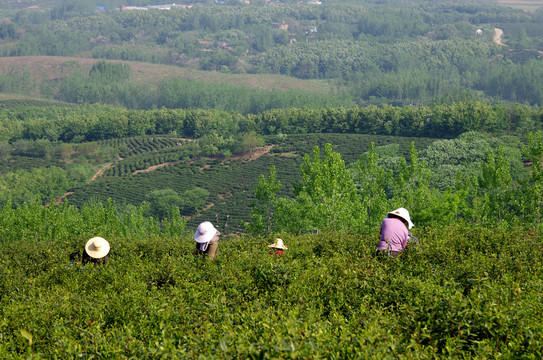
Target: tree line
(98, 122)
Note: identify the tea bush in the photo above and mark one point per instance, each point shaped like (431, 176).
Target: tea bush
(463, 293)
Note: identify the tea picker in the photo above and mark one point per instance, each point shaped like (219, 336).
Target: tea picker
(395, 233)
(95, 252)
(207, 240)
(278, 247)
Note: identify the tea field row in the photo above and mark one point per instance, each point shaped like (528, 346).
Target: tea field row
(230, 181)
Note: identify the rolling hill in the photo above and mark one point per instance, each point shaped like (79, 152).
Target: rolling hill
(54, 68)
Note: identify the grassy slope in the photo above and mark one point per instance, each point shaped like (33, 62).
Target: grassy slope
(14, 100)
(43, 68)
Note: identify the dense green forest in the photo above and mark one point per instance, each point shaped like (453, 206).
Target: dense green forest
(70, 124)
(373, 52)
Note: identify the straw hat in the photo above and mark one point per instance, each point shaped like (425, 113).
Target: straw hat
(97, 247)
(404, 214)
(205, 232)
(278, 244)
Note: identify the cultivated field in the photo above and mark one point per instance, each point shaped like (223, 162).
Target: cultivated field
(157, 163)
(465, 293)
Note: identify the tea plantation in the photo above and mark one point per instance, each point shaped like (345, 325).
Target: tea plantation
(465, 293)
(471, 289)
(230, 182)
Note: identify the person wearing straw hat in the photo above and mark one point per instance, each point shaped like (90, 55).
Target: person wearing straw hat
(278, 248)
(394, 233)
(96, 250)
(207, 240)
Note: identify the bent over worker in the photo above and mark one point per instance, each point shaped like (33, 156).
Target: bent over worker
(394, 233)
(207, 240)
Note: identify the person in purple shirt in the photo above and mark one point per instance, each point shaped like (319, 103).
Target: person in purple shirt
(394, 233)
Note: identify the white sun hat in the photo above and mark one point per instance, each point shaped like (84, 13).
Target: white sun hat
(97, 247)
(404, 214)
(278, 244)
(205, 232)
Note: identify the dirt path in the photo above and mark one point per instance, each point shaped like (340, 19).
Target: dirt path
(259, 152)
(498, 36)
(154, 167)
(59, 200)
(101, 172)
(250, 156)
(253, 155)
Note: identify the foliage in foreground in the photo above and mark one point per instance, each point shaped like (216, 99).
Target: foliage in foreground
(463, 293)
(333, 197)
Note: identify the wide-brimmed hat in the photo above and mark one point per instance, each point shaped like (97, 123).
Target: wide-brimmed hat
(97, 247)
(278, 244)
(205, 232)
(404, 214)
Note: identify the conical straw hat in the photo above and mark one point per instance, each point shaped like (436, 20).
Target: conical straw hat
(97, 247)
(278, 244)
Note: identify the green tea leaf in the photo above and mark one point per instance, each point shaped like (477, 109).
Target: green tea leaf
(27, 336)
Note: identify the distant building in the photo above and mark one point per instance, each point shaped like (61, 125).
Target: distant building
(160, 7)
(155, 7)
(206, 45)
(130, 8)
(224, 45)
